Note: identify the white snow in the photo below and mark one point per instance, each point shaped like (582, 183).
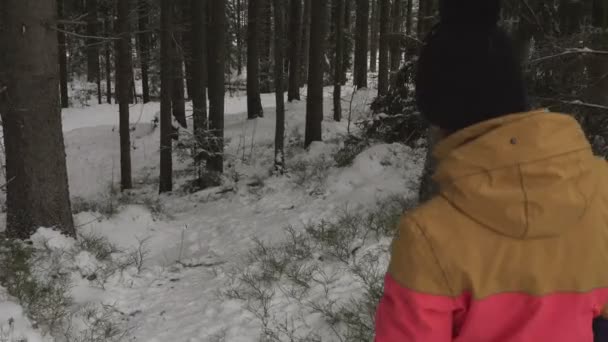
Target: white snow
(14, 326)
(170, 300)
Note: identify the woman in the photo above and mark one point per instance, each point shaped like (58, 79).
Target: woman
(515, 247)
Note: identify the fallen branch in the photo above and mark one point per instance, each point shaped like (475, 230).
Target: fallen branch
(568, 52)
(576, 103)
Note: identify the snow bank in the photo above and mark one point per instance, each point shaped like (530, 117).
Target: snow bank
(14, 326)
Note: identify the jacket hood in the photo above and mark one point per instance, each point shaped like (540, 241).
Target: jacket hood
(528, 176)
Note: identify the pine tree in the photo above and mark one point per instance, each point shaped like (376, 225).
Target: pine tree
(144, 47)
(36, 173)
(396, 21)
(361, 43)
(383, 59)
(305, 52)
(279, 154)
(374, 37)
(199, 66)
(178, 95)
(166, 91)
(339, 60)
(63, 58)
(314, 102)
(254, 102)
(217, 60)
(123, 86)
(295, 41)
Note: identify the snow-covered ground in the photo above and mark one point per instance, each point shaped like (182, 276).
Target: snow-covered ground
(193, 240)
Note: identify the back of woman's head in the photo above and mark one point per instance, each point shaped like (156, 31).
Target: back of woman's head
(468, 71)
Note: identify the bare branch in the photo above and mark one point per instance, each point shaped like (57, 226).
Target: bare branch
(568, 52)
(575, 103)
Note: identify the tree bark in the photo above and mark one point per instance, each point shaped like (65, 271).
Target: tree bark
(266, 48)
(217, 60)
(125, 69)
(92, 43)
(108, 53)
(374, 37)
(295, 39)
(166, 92)
(361, 43)
(383, 60)
(339, 60)
(63, 58)
(279, 138)
(144, 47)
(348, 51)
(185, 7)
(199, 67)
(409, 17)
(254, 102)
(305, 41)
(239, 37)
(179, 102)
(314, 102)
(36, 172)
(396, 21)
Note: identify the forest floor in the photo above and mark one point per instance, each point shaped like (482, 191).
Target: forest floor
(194, 247)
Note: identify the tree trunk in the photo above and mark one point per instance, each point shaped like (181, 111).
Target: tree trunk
(428, 187)
(199, 66)
(186, 8)
(598, 65)
(295, 40)
(124, 70)
(266, 47)
(409, 17)
(63, 58)
(383, 63)
(305, 52)
(348, 51)
(314, 102)
(362, 29)
(374, 36)
(396, 29)
(254, 102)
(144, 47)
(178, 99)
(239, 39)
(36, 172)
(279, 155)
(426, 9)
(166, 95)
(217, 60)
(108, 53)
(92, 43)
(339, 60)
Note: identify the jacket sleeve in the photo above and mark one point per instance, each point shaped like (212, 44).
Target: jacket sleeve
(417, 305)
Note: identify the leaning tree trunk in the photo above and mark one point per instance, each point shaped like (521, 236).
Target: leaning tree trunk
(144, 47)
(374, 36)
(63, 58)
(362, 27)
(339, 59)
(305, 52)
(124, 70)
(314, 102)
(295, 41)
(383, 62)
(254, 102)
(396, 21)
(279, 139)
(217, 60)
(36, 172)
(166, 91)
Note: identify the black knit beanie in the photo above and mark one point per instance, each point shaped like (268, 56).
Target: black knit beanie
(468, 71)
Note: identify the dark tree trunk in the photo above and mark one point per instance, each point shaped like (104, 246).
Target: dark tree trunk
(396, 21)
(92, 43)
(373, 59)
(295, 39)
(217, 60)
(426, 10)
(347, 53)
(144, 47)
(409, 17)
(199, 67)
(598, 65)
(339, 60)
(279, 41)
(254, 102)
(383, 60)
(108, 53)
(361, 43)
(178, 96)
(266, 47)
(123, 86)
(314, 102)
(63, 58)
(186, 48)
(239, 36)
(305, 41)
(36, 172)
(166, 92)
